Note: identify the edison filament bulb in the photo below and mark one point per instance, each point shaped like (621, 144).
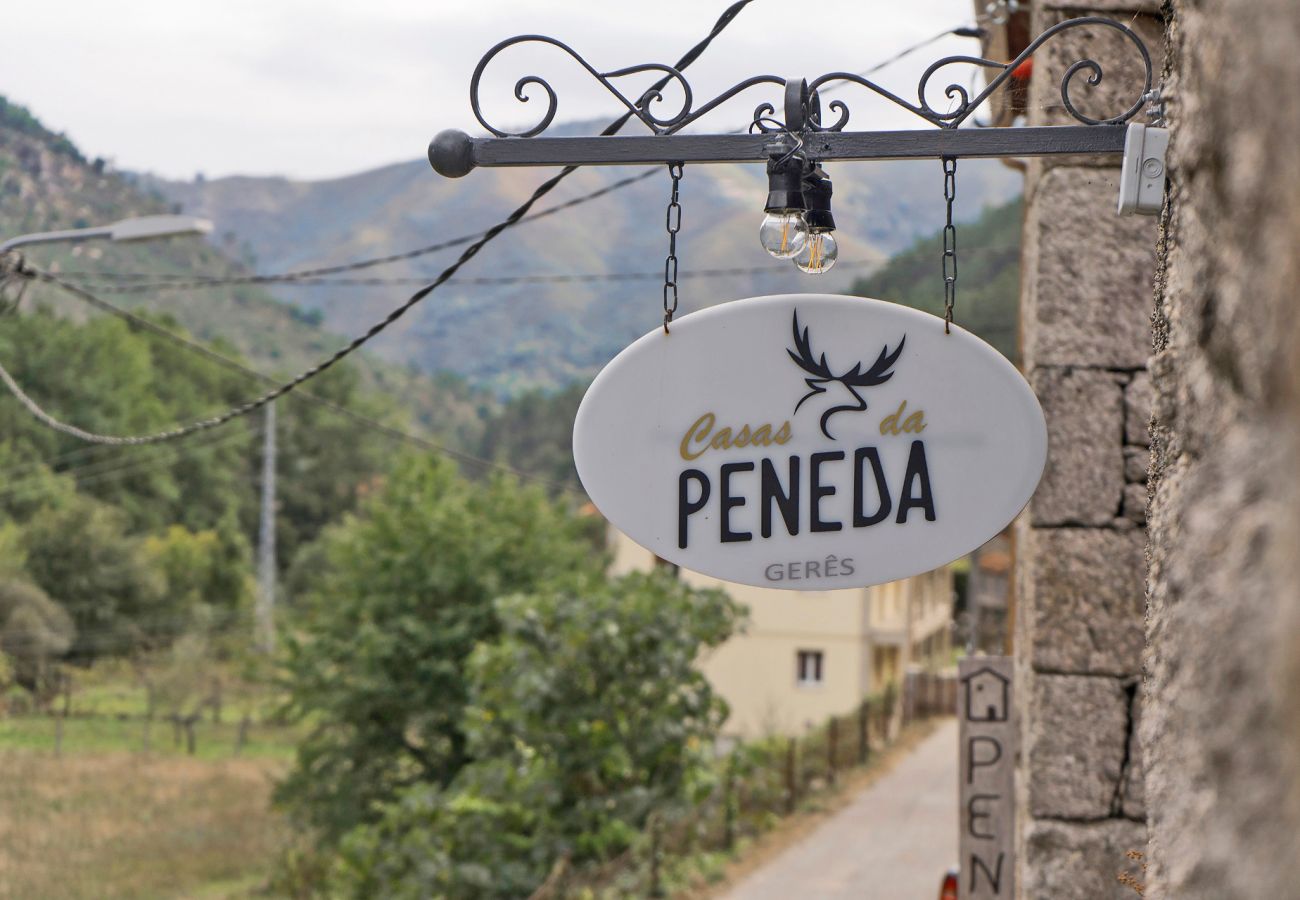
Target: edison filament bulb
(783, 235)
(818, 254)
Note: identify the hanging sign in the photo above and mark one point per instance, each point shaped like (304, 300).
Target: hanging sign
(810, 442)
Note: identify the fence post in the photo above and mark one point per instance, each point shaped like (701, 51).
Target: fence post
(242, 736)
(832, 746)
(656, 855)
(216, 701)
(891, 707)
(791, 782)
(864, 712)
(729, 804)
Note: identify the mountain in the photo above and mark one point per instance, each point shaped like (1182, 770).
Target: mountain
(509, 337)
(47, 184)
(988, 282)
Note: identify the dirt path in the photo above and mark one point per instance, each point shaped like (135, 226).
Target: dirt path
(891, 842)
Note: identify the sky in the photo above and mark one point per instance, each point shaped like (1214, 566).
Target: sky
(323, 88)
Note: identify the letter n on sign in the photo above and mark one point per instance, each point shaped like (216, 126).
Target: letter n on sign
(987, 759)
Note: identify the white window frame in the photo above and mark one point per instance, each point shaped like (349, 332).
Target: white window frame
(810, 668)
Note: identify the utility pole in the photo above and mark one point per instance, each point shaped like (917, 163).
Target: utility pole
(266, 541)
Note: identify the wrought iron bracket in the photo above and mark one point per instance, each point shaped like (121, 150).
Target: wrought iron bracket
(454, 153)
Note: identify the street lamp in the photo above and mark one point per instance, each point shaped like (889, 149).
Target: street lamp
(140, 228)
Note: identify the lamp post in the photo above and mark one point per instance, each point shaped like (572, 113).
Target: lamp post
(140, 228)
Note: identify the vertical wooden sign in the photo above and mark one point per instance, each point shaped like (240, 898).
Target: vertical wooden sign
(987, 756)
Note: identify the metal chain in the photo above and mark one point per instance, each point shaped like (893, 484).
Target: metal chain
(949, 242)
(673, 224)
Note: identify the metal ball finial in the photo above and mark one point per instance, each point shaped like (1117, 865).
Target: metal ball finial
(451, 153)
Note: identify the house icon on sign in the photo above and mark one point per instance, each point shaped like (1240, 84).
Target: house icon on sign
(988, 696)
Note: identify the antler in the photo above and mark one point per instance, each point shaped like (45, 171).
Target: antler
(804, 359)
(820, 370)
(879, 372)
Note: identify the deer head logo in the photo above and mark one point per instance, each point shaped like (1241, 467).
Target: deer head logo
(821, 375)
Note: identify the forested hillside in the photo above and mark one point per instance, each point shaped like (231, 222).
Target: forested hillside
(562, 330)
(47, 184)
(988, 282)
(120, 550)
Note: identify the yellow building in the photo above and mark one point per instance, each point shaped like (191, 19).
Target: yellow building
(807, 655)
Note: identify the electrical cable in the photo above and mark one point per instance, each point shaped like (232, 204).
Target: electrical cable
(93, 471)
(191, 281)
(356, 343)
(371, 424)
(541, 278)
(194, 346)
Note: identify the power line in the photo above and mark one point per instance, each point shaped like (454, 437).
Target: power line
(93, 472)
(194, 346)
(356, 343)
(190, 281)
(371, 424)
(541, 278)
(537, 278)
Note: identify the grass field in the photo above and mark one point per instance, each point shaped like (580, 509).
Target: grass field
(116, 825)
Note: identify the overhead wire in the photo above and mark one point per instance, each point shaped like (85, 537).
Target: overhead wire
(371, 424)
(191, 281)
(356, 343)
(95, 470)
(537, 278)
(549, 277)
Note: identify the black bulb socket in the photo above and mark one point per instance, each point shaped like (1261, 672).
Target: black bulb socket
(817, 196)
(785, 187)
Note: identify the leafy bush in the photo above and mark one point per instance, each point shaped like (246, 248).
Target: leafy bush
(81, 555)
(404, 593)
(585, 716)
(34, 632)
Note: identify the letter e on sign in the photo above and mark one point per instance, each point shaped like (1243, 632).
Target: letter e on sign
(987, 760)
(764, 432)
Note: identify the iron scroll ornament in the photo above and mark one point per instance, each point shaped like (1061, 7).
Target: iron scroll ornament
(644, 106)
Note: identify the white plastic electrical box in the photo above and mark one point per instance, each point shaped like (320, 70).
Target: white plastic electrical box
(1142, 177)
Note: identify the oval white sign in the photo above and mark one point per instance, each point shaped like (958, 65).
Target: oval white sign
(810, 442)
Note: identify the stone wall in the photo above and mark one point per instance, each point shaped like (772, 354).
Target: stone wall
(1221, 729)
(1086, 339)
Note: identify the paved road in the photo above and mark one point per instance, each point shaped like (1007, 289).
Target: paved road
(892, 842)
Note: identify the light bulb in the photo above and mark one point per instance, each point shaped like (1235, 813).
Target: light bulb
(783, 234)
(818, 254)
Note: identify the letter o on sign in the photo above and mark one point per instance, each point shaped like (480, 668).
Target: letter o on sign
(773, 434)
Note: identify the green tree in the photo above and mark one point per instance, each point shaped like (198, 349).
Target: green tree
(29, 485)
(988, 292)
(34, 633)
(586, 715)
(82, 556)
(208, 575)
(103, 377)
(405, 593)
(325, 461)
(533, 433)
